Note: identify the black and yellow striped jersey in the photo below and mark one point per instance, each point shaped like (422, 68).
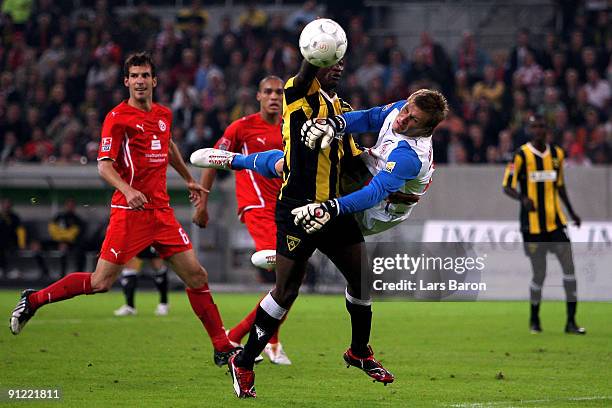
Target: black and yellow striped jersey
(312, 175)
(538, 175)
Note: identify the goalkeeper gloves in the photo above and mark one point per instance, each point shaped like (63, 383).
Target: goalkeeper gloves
(312, 217)
(325, 129)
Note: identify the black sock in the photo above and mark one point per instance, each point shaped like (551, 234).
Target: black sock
(361, 322)
(262, 330)
(535, 312)
(128, 283)
(571, 312)
(161, 283)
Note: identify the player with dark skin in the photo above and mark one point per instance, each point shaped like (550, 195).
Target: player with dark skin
(538, 130)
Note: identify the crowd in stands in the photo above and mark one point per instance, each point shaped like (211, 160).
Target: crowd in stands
(61, 72)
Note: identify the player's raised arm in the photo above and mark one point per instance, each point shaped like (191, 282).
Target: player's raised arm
(176, 161)
(305, 76)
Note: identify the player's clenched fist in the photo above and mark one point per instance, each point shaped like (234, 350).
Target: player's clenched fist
(135, 199)
(325, 129)
(312, 217)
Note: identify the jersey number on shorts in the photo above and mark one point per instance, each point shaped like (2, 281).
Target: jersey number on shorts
(184, 236)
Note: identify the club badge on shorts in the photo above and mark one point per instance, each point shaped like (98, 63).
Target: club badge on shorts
(292, 242)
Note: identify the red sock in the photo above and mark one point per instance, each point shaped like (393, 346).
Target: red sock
(242, 328)
(202, 304)
(74, 284)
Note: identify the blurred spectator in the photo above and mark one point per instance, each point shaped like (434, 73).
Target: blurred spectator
(67, 230)
(369, 70)
(299, 18)
(19, 10)
(597, 90)
(253, 18)
(193, 15)
(200, 135)
(490, 88)
(11, 150)
(39, 148)
(520, 51)
(470, 58)
(530, 73)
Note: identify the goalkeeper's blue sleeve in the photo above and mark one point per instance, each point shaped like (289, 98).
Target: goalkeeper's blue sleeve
(262, 162)
(370, 120)
(403, 164)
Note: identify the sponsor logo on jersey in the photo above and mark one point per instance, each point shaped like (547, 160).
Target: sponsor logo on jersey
(140, 126)
(162, 125)
(292, 242)
(106, 144)
(542, 176)
(389, 167)
(387, 107)
(155, 143)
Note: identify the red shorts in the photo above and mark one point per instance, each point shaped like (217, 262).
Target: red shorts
(262, 227)
(130, 231)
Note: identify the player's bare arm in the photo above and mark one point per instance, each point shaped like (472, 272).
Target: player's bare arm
(566, 201)
(207, 178)
(135, 199)
(176, 161)
(525, 201)
(305, 76)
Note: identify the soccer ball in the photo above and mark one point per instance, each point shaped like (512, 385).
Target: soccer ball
(323, 42)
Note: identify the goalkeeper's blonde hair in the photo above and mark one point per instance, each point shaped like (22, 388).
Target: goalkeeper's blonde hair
(431, 102)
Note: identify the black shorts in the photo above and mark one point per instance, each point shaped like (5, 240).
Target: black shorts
(148, 253)
(294, 243)
(533, 242)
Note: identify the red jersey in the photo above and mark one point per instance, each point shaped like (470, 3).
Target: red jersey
(138, 141)
(252, 134)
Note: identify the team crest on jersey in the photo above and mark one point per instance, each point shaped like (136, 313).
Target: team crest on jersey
(389, 167)
(555, 163)
(106, 144)
(162, 125)
(292, 242)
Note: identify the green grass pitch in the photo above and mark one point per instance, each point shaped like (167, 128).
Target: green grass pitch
(443, 355)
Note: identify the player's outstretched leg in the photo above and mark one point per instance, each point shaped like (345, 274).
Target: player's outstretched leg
(74, 284)
(187, 267)
(268, 164)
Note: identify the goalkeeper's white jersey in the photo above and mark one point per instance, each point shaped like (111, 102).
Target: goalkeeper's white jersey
(385, 215)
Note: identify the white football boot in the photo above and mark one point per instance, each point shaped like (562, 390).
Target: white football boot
(162, 309)
(276, 354)
(125, 310)
(212, 158)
